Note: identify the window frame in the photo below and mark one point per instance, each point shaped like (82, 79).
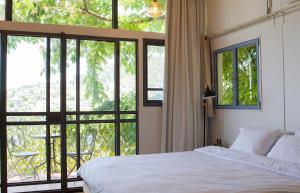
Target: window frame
(146, 43)
(118, 121)
(234, 48)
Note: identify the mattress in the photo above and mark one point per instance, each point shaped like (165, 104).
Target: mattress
(205, 170)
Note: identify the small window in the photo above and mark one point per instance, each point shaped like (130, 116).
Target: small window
(154, 59)
(237, 76)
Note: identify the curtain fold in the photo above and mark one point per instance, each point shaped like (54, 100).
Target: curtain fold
(182, 110)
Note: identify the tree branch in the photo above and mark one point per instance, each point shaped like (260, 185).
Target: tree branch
(86, 10)
(148, 19)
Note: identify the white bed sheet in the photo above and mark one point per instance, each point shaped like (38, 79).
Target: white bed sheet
(205, 170)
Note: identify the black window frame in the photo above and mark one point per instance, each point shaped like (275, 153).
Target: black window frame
(234, 48)
(149, 42)
(63, 113)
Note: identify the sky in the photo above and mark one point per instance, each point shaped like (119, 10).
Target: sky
(24, 66)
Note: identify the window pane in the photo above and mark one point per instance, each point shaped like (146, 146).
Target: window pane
(25, 118)
(55, 75)
(34, 188)
(225, 78)
(128, 138)
(97, 140)
(128, 76)
(66, 12)
(26, 153)
(2, 9)
(155, 95)
(156, 62)
(71, 75)
(128, 116)
(97, 79)
(55, 143)
(26, 60)
(71, 151)
(247, 75)
(133, 15)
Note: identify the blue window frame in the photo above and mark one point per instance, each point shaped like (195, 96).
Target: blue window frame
(237, 76)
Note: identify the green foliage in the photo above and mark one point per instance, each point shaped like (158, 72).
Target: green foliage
(92, 13)
(247, 76)
(227, 81)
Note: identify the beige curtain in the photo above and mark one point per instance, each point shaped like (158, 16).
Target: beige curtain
(182, 110)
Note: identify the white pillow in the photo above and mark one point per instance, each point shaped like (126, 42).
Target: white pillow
(297, 133)
(287, 148)
(256, 141)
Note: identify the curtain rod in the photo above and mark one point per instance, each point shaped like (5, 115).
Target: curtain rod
(255, 21)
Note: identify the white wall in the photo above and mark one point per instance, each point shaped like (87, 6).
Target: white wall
(223, 14)
(149, 117)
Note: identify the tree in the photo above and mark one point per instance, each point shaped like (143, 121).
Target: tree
(247, 76)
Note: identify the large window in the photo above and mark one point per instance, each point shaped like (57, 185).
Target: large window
(154, 60)
(237, 75)
(75, 99)
(129, 14)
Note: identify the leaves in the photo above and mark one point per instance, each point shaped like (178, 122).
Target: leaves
(247, 79)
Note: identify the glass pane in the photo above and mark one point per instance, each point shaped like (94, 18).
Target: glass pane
(71, 117)
(71, 75)
(247, 75)
(128, 138)
(128, 116)
(97, 140)
(55, 75)
(71, 151)
(75, 184)
(155, 95)
(225, 78)
(93, 13)
(26, 60)
(26, 153)
(2, 9)
(34, 188)
(25, 118)
(55, 152)
(128, 76)
(97, 117)
(97, 79)
(156, 62)
(134, 15)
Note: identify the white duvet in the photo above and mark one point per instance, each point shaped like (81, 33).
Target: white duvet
(205, 170)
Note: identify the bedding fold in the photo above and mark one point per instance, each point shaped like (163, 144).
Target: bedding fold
(205, 170)
(278, 166)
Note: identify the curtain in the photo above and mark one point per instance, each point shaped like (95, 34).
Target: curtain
(182, 128)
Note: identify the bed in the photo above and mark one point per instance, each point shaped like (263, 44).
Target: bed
(209, 169)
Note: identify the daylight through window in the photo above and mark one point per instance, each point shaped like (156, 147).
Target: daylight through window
(238, 75)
